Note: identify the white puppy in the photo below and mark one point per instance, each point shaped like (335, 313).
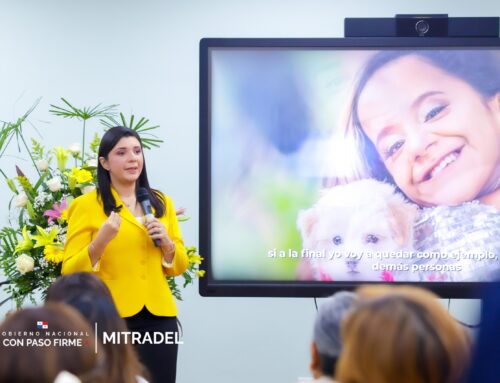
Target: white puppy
(348, 225)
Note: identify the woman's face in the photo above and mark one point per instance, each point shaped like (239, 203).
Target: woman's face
(125, 161)
(437, 136)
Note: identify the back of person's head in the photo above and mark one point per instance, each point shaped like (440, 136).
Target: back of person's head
(91, 297)
(71, 286)
(401, 334)
(33, 355)
(326, 334)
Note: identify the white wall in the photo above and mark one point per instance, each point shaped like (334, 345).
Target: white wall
(144, 56)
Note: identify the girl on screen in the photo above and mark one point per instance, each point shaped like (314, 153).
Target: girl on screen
(109, 235)
(429, 122)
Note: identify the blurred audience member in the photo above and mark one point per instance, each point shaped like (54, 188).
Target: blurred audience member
(486, 361)
(37, 353)
(326, 345)
(92, 298)
(401, 334)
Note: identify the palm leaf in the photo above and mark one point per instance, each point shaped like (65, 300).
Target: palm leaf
(10, 130)
(148, 139)
(70, 111)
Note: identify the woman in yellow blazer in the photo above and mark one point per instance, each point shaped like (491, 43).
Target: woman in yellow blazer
(108, 234)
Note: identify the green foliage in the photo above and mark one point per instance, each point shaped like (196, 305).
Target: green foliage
(26, 185)
(84, 113)
(37, 150)
(94, 144)
(141, 127)
(193, 271)
(12, 130)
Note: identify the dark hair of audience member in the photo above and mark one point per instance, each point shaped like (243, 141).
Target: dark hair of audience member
(326, 346)
(42, 364)
(402, 334)
(91, 297)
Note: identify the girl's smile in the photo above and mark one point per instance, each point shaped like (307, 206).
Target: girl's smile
(438, 137)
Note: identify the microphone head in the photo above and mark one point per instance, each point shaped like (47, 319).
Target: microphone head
(142, 194)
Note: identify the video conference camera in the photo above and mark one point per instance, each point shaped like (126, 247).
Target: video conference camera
(436, 25)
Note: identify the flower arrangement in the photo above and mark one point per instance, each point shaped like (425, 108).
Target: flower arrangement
(32, 247)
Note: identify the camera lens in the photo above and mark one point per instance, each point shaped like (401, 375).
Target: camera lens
(422, 27)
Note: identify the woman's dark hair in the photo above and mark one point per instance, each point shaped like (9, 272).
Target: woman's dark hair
(29, 365)
(479, 68)
(91, 297)
(72, 286)
(327, 364)
(108, 142)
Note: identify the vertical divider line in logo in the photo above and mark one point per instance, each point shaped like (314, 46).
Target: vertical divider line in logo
(95, 337)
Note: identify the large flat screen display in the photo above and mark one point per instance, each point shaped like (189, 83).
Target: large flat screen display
(327, 163)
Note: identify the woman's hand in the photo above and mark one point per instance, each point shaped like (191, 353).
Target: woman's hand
(106, 233)
(156, 230)
(109, 228)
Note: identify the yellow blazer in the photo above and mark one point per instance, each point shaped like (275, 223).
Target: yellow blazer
(131, 266)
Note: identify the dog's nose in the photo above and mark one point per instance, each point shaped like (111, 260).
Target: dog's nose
(352, 264)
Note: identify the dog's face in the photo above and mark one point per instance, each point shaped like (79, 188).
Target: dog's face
(350, 221)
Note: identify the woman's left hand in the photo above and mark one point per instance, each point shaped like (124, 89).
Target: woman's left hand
(156, 230)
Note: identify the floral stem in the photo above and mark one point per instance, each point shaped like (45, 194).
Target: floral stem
(83, 143)
(31, 156)
(5, 300)
(5, 175)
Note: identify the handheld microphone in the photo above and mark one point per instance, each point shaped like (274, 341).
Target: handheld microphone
(143, 198)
